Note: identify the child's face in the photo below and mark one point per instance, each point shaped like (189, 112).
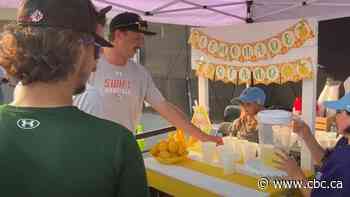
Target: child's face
(251, 108)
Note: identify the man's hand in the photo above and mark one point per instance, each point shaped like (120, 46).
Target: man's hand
(205, 138)
(216, 139)
(176, 117)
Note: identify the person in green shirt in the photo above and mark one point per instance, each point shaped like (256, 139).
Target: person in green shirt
(47, 146)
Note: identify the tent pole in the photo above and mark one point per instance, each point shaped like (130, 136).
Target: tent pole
(277, 11)
(121, 6)
(198, 7)
(302, 3)
(249, 18)
(296, 5)
(177, 10)
(165, 6)
(273, 3)
(227, 4)
(332, 4)
(214, 10)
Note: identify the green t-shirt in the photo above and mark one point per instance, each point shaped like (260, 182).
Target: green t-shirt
(66, 152)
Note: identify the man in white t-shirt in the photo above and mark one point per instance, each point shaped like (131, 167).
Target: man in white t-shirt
(121, 85)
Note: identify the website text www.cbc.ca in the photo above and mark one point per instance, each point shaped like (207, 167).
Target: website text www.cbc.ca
(278, 183)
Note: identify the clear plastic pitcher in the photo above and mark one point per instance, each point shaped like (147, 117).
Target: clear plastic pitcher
(274, 132)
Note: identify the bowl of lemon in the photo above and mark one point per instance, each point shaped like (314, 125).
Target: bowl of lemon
(173, 149)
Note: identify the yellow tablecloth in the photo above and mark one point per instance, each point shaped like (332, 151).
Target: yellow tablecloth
(176, 187)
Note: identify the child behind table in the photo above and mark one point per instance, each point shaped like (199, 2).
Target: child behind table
(251, 102)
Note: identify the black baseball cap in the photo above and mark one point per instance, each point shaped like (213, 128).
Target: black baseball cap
(77, 15)
(131, 22)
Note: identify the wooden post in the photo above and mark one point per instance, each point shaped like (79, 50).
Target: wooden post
(309, 116)
(203, 92)
(309, 102)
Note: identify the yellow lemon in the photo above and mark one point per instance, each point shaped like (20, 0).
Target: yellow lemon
(180, 136)
(163, 146)
(182, 143)
(172, 147)
(171, 135)
(192, 141)
(154, 151)
(164, 154)
(171, 140)
(181, 150)
(172, 155)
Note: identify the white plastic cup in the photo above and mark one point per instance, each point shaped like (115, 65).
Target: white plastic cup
(249, 151)
(267, 154)
(235, 148)
(227, 160)
(208, 151)
(239, 146)
(219, 150)
(228, 143)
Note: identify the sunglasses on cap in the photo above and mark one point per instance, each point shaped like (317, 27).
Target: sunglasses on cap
(97, 47)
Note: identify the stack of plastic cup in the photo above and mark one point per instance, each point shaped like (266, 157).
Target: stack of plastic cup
(249, 151)
(227, 160)
(239, 146)
(208, 151)
(228, 143)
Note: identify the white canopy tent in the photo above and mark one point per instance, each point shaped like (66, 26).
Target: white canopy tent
(219, 12)
(207, 13)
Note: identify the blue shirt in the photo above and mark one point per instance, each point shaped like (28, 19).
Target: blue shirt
(335, 169)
